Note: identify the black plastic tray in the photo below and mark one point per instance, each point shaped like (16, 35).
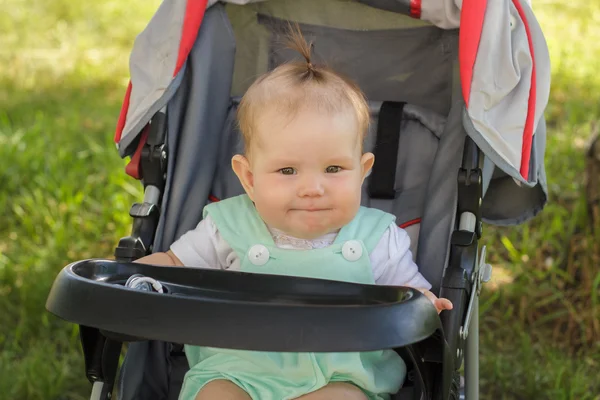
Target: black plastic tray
(239, 310)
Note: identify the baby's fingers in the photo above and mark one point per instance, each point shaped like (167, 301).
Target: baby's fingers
(443, 304)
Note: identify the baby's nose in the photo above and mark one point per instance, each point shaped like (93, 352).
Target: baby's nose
(311, 188)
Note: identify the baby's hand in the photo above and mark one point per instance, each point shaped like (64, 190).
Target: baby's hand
(440, 304)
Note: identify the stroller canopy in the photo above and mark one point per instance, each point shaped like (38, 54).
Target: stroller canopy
(502, 58)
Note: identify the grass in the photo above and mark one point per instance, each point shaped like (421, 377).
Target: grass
(63, 67)
(64, 196)
(540, 332)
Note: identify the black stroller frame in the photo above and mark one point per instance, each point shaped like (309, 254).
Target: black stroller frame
(471, 88)
(433, 363)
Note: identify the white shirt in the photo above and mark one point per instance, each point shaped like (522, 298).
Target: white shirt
(391, 259)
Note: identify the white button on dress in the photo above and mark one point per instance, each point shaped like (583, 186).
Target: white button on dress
(258, 254)
(352, 250)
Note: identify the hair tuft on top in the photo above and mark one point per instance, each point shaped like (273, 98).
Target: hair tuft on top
(298, 85)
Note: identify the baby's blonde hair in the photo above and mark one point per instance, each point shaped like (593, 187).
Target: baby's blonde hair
(294, 86)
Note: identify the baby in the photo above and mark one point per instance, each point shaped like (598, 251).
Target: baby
(302, 171)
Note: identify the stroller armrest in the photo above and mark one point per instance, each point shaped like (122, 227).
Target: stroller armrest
(239, 310)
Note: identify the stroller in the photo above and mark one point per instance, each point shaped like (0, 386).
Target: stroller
(457, 94)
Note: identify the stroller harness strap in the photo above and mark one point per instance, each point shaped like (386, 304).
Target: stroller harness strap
(383, 177)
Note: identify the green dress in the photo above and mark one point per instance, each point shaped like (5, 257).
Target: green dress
(278, 375)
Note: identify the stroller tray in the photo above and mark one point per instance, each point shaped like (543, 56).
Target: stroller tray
(237, 310)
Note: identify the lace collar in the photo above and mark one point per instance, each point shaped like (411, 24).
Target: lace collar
(286, 241)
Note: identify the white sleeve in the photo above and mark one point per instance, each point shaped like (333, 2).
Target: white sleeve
(392, 261)
(204, 247)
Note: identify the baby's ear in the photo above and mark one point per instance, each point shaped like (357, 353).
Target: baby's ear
(241, 167)
(366, 162)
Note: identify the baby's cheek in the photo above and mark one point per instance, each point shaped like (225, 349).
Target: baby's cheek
(348, 199)
(272, 199)
(349, 188)
(269, 211)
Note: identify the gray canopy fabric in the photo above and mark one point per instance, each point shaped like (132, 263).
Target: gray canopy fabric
(503, 61)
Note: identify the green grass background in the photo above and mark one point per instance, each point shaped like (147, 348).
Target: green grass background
(64, 196)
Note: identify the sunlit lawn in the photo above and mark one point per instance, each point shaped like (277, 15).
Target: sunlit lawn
(64, 196)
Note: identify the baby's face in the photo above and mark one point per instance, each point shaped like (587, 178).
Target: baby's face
(306, 174)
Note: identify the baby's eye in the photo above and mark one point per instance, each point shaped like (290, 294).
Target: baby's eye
(288, 171)
(332, 169)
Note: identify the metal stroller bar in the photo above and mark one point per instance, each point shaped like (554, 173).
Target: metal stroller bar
(471, 390)
(466, 271)
(153, 162)
(102, 354)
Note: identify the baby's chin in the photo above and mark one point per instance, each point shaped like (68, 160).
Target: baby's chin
(302, 231)
(308, 226)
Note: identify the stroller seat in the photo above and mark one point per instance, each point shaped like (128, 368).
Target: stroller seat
(451, 153)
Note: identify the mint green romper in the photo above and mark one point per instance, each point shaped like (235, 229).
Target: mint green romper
(280, 376)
